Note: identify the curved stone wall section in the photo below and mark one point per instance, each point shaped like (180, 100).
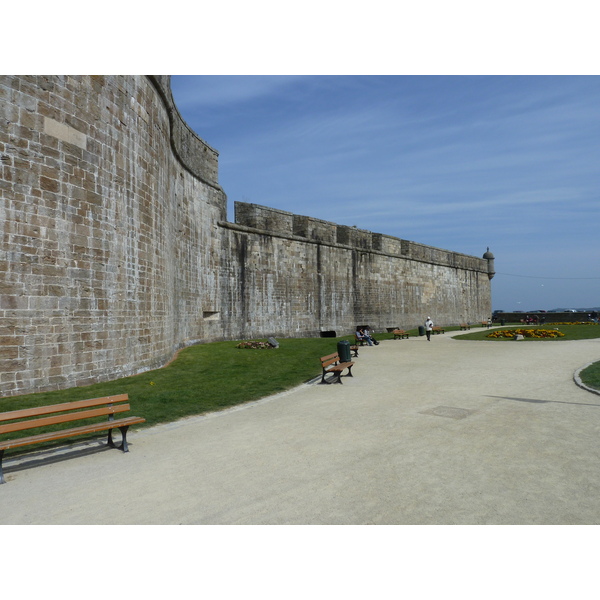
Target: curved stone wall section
(100, 262)
(193, 152)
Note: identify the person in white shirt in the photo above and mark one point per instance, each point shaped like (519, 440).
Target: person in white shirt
(428, 328)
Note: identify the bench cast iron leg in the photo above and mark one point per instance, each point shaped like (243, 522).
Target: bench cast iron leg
(123, 445)
(2, 480)
(335, 375)
(334, 379)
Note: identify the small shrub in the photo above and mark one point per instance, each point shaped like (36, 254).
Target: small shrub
(254, 345)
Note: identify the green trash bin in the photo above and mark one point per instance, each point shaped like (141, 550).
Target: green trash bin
(343, 348)
(421, 330)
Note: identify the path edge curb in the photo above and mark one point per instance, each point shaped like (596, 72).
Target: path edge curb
(578, 382)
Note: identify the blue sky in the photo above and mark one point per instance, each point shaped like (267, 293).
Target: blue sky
(456, 162)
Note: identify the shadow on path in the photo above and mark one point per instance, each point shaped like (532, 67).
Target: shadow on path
(49, 456)
(534, 401)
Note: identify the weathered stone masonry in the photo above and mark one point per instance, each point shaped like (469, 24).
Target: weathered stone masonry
(301, 276)
(116, 250)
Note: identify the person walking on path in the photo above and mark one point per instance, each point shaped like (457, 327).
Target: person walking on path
(428, 328)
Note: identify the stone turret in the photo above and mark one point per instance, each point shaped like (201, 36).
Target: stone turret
(490, 261)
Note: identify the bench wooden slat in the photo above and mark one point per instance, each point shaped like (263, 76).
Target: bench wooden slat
(64, 418)
(54, 408)
(64, 433)
(331, 361)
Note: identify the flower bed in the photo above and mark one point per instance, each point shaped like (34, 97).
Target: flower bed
(574, 323)
(254, 345)
(528, 333)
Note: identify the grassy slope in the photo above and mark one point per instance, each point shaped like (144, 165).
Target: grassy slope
(203, 378)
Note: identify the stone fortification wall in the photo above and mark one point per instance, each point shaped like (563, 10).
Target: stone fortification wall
(116, 250)
(299, 276)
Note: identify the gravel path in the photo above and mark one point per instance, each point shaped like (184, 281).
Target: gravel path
(440, 432)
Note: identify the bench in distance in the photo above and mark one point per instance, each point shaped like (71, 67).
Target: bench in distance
(400, 334)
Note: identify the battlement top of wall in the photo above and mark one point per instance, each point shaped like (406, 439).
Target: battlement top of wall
(284, 223)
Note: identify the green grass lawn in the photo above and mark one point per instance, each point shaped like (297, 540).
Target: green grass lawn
(591, 376)
(203, 378)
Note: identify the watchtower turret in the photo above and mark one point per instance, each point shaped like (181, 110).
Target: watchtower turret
(490, 260)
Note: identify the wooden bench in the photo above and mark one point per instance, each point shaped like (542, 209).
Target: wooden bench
(464, 326)
(400, 334)
(67, 412)
(359, 341)
(331, 364)
(354, 349)
(486, 324)
(437, 329)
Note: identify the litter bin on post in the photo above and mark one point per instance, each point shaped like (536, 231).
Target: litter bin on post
(343, 348)
(421, 330)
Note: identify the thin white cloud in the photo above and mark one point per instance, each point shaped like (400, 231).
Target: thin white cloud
(202, 93)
